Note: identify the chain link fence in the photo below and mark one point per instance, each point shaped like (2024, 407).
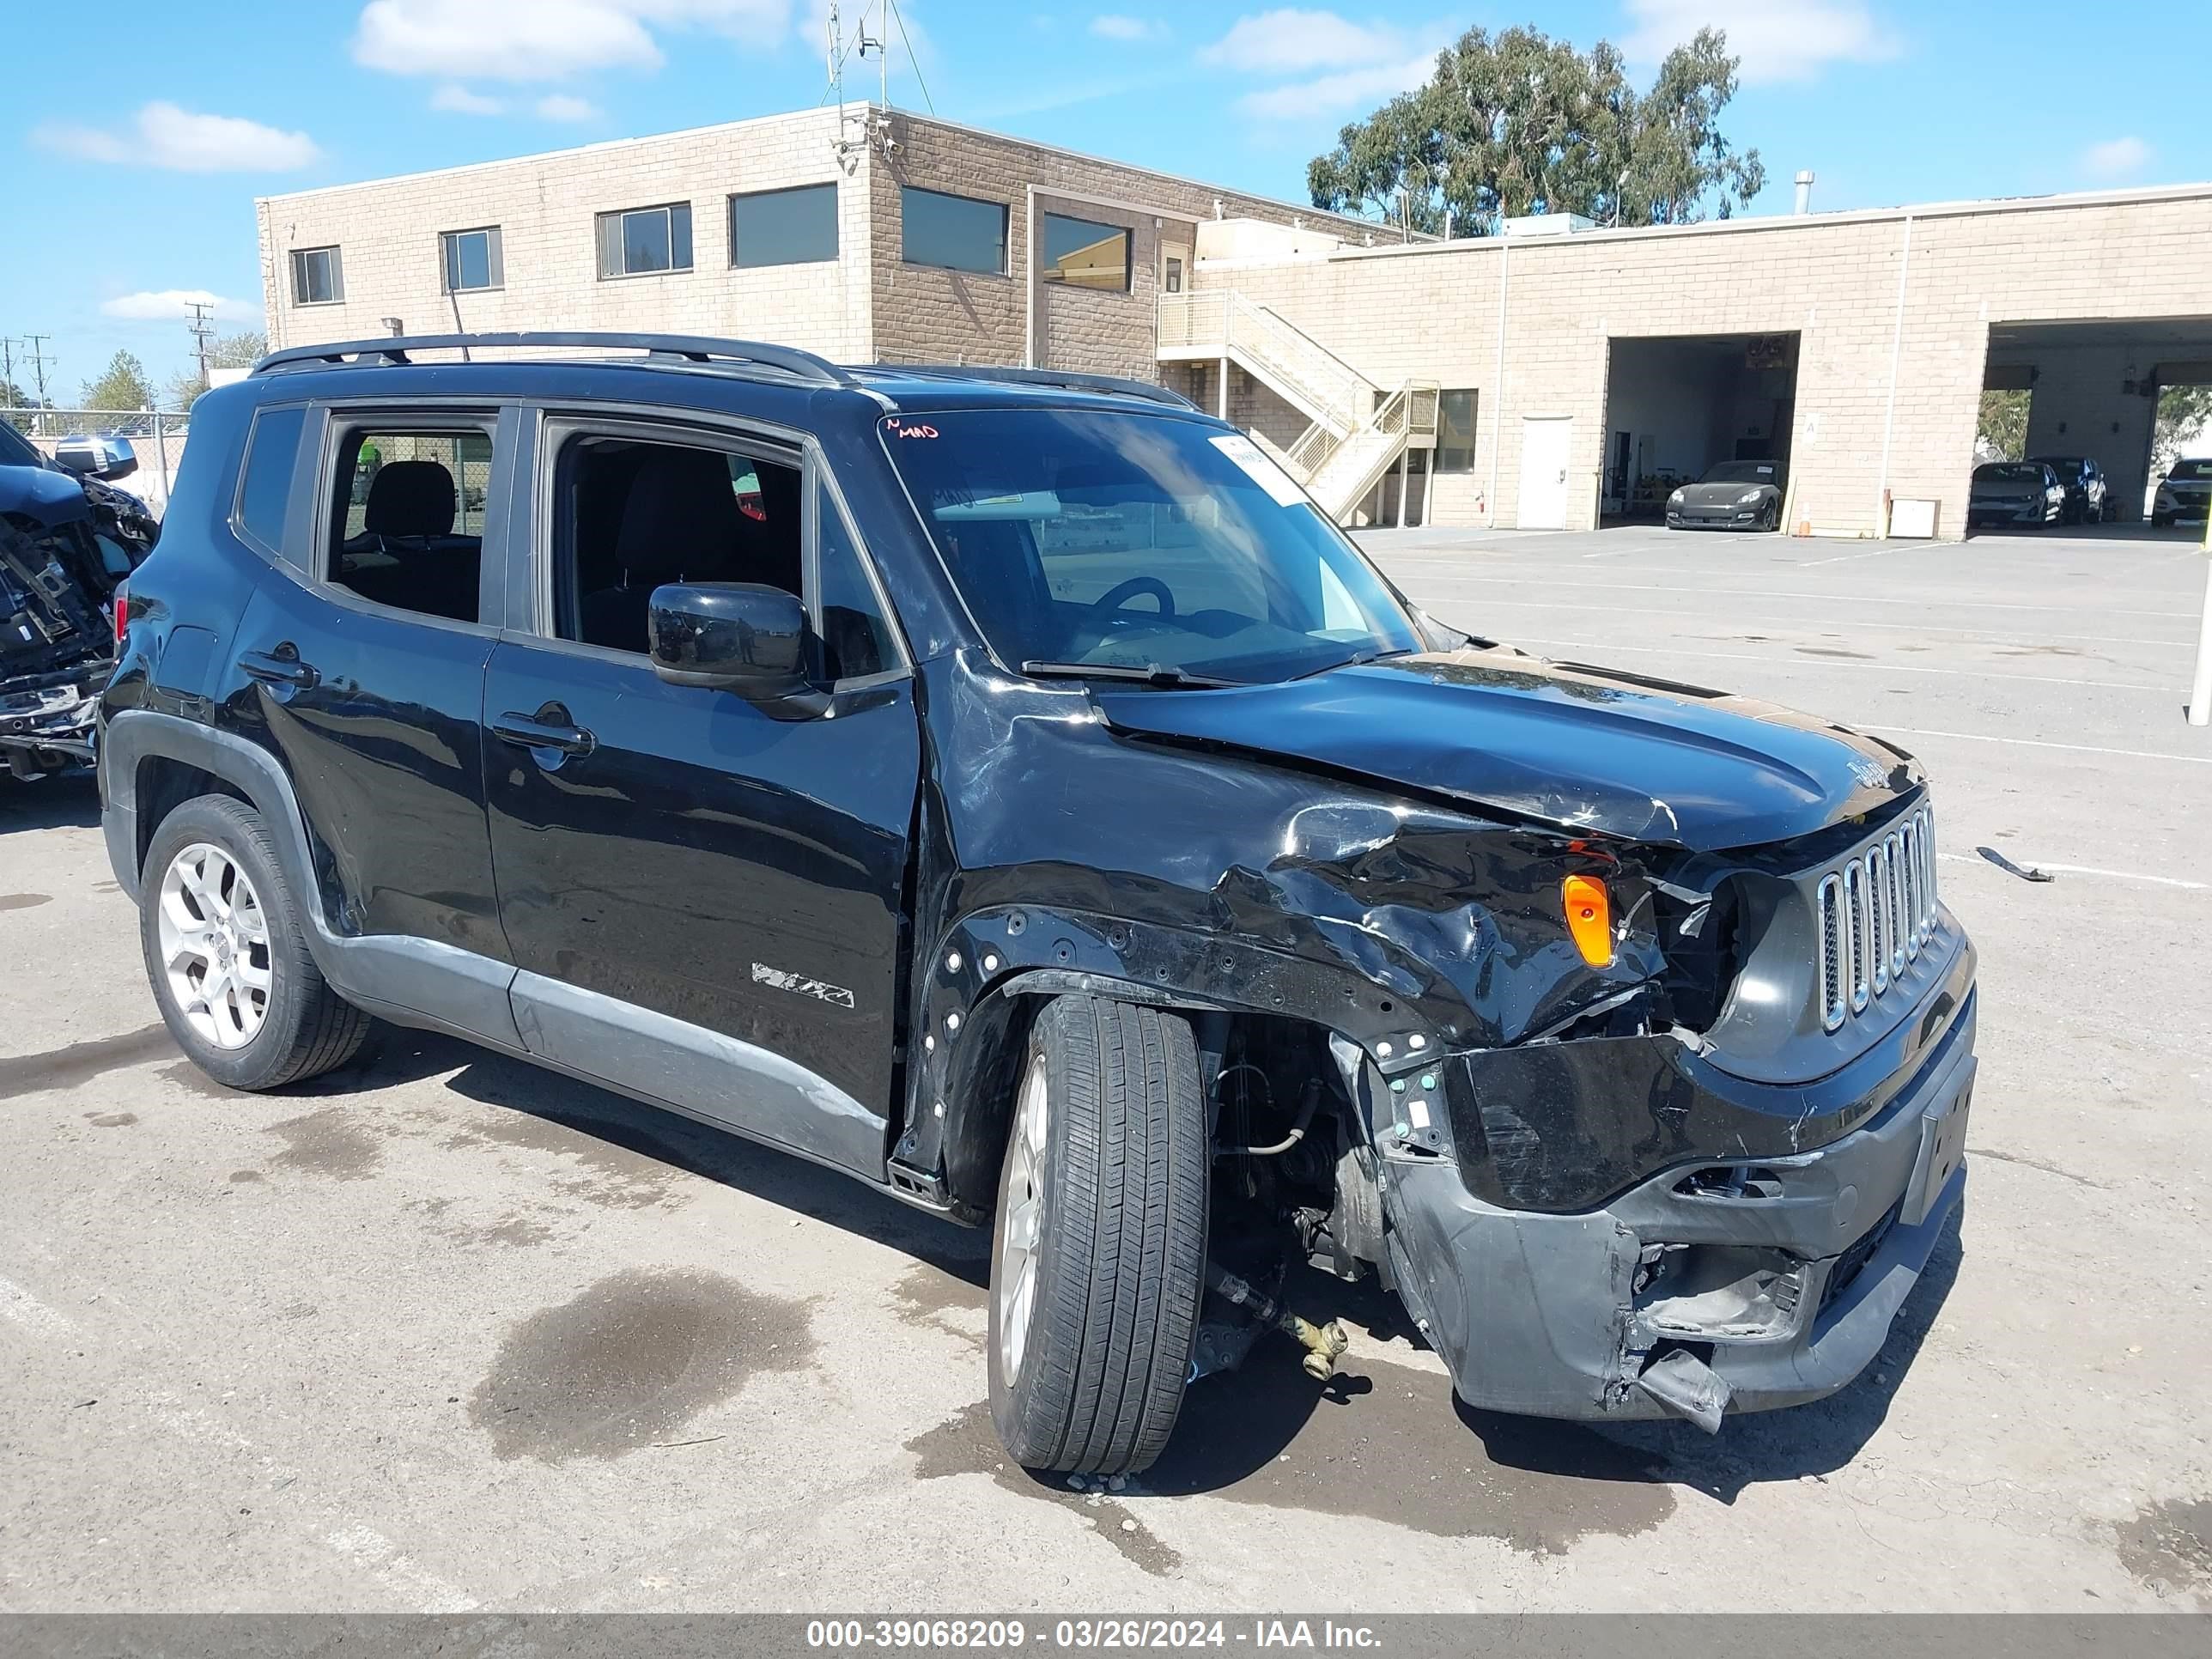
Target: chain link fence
(157, 437)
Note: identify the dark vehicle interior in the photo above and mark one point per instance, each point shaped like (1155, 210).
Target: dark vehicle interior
(1743, 472)
(409, 518)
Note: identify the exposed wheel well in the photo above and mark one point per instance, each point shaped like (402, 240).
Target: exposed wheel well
(163, 786)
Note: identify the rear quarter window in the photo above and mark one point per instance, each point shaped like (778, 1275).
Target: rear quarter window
(264, 487)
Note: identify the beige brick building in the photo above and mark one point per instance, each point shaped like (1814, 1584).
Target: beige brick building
(1563, 376)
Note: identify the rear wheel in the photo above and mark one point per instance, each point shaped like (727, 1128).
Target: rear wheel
(1099, 1252)
(228, 964)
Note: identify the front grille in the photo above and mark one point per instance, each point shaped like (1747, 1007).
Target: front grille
(1876, 910)
(1853, 1260)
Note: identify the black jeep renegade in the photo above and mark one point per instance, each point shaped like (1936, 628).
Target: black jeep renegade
(1005, 786)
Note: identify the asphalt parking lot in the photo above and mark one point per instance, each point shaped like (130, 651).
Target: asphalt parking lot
(442, 1332)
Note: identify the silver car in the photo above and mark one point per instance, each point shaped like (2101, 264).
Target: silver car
(2015, 493)
(1732, 496)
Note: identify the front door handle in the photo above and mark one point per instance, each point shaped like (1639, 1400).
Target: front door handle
(282, 666)
(549, 728)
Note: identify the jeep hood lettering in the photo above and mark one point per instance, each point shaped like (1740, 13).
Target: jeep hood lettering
(1582, 748)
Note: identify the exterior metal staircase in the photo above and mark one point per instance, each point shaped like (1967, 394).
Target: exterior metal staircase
(1358, 429)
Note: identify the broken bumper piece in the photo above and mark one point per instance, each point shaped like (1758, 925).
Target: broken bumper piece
(45, 722)
(1729, 1286)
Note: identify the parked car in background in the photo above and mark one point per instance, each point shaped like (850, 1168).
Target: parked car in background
(1040, 812)
(65, 542)
(2184, 493)
(1732, 496)
(2015, 493)
(2088, 492)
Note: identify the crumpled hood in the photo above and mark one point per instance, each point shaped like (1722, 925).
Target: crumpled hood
(1583, 748)
(50, 498)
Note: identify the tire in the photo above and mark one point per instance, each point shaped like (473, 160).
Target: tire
(1102, 1216)
(1770, 520)
(214, 907)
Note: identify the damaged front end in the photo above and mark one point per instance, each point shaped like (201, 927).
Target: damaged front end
(1690, 1165)
(66, 546)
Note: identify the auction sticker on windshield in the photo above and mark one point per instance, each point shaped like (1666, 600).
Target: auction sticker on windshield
(1259, 469)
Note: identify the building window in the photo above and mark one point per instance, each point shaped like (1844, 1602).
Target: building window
(316, 279)
(1083, 253)
(784, 226)
(638, 241)
(956, 232)
(472, 260)
(1455, 432)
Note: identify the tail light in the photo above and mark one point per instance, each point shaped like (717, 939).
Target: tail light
(120, 610)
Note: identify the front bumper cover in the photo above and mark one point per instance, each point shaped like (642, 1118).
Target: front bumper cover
(1781, 1273)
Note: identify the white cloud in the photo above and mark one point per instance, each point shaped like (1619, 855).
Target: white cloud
(164, 136)
(1349, 90)
(1114, 25)
(1289, 40)
(1777, 39)
(546, 39)
(175, 303)
(457, 100)
(2116, 158)
(560, 106)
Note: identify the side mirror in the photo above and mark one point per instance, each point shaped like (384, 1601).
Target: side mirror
(107, 459)
(735, 636)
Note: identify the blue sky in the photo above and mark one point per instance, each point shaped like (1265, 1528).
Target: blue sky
(140, 144)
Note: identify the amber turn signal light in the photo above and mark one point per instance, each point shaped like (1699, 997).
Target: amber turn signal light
(1589, 918)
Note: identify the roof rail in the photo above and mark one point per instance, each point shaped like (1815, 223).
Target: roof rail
(1073, 380)
(393, 349)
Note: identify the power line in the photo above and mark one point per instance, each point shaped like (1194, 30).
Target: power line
(39, 360)
(202, 331)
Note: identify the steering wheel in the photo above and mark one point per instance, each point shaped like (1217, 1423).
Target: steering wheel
(1118, 595)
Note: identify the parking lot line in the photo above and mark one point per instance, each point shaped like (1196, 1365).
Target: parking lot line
(1863, 667)
(2037, 743)
(2082, 870)
(1824, 595)
(1897, 628)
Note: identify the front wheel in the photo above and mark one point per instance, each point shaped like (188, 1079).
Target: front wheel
(1099, 1252)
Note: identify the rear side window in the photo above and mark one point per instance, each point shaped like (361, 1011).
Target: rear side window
(407, 516)
(265, 489)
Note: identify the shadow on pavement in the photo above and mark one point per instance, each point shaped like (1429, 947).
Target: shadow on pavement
(65, 800)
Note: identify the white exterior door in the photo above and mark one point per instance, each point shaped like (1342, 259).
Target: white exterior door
(1545, 442)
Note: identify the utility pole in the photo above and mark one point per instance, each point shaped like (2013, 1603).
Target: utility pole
(8, 364)
(38, 362)
(202, 331)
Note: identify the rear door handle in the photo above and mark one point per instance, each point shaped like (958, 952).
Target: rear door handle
(549, 728)
(282, 666)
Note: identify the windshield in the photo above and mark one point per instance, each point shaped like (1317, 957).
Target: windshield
(2009, 472)
(1081, 538)
(1745, 472)
(2069, 471)
(16, 449)
(2191, 469)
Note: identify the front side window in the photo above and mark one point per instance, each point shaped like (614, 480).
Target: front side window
(1140, 542)
(638, 241)
(1083, 253)
(1455, 432)
(316, 279)
(959, 232)
(472, 260)
(784, 226)
(631, 513)
(407, 516)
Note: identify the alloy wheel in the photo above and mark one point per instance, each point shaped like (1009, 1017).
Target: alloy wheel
(1021, 1219)
(215, 946)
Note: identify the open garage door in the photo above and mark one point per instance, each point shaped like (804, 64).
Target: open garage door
(2122, 400)
(1677, 406)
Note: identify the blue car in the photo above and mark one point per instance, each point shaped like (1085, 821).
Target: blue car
(67, 539)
